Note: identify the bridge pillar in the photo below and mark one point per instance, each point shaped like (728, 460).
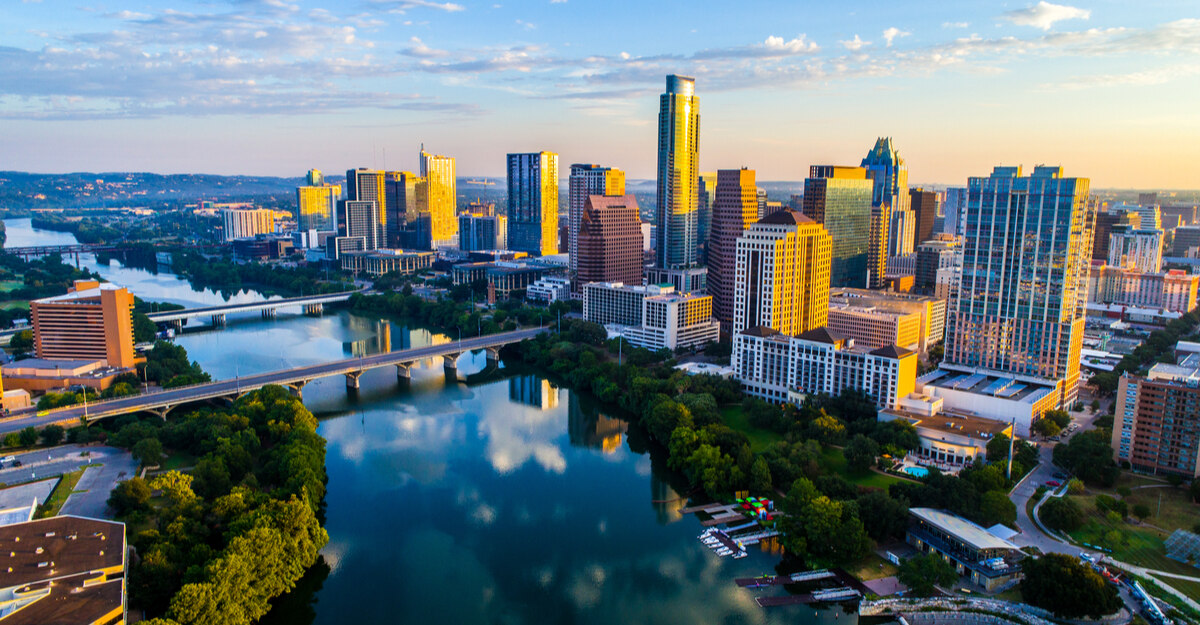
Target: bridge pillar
(297, 388)
(314, 309)
(450, 362)
(178, 323)
(404, 370)
(269, 313)
(352, 379)
(218, 320)
(493, 354)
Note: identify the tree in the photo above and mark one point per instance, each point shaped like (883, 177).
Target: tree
(1061, 513)
(21, 342)
(996, 507)
(53, 434)
(1141, 510)
(131, 495)
(175, 485)
(148, 451)
(1089, 456)
(12, 439)
(883, 517)
(28, 437)
(1063, 585)
(922, 573)
(860, 453)
(760, 476)
(1060, 417)
(1045, 427)
(997, 448)
(827, 429)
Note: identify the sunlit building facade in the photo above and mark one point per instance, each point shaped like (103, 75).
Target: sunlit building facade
(734, 209)
(533, 203)
(839, 198)
(782, 275)
(439, 197)
(585, 181)
(316, 204)
(678, 174)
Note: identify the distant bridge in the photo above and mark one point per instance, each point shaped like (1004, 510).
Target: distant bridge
(311, 304)
(36, 251)
(162, 402)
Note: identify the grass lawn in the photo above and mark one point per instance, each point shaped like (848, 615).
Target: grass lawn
(8, 285)
(871, 567)
(58, 496)
(834, 461)
(760, 439)
(1191, 589)
(1139, 544)
(15, 303)
(178, 460)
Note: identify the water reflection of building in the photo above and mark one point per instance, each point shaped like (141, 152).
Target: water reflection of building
(379, 341)
(590, 428)
(533, 390)
(667, 503)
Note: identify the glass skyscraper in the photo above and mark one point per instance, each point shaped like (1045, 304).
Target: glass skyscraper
(889, 174)
(587, 180)
(438, 196)
(1019, 309)
(533, 203)
(840, 199)
(678, 224)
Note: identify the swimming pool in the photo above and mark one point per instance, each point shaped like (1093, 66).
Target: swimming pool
(916, 471)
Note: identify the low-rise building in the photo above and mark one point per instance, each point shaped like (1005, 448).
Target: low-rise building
(1174, 290)
(881, 318)
(549, 289)
(989, 561)
(653, 316)
(949, 438)
(781, 368)
(64, 569)
(40, 375)
(1006, 398)
(1156, 426)
(380, 262)
(505, 277)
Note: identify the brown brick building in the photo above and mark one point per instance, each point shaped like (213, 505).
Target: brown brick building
(610, 241)
(93, 321)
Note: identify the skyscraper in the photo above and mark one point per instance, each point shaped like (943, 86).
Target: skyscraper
(587, 180)
(406, 214)
(782, 279)
(1019, 307)
(706, 193)
(367, 185)
(678, 171)
(316, 203)
(439, 197)
(924, 207)
(533, 203)
(734, 209)
(360, 219)
(889, 174)
(610, 241)
(839, 198)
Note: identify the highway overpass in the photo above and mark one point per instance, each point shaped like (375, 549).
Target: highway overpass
(311, 304)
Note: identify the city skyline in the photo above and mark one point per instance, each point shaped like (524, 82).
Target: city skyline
(272, 88)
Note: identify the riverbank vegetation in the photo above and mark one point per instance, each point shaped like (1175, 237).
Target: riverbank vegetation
(228, 277)
(218, 543)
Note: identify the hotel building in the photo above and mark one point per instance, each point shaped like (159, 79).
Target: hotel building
(94, 321)
(782, 274)
(653, 316)
(247, 222)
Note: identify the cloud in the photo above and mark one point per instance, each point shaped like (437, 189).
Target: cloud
(771, 47)
(956, 24)
(1043, 15)
(527, 25)
(855, 44)
(1142, 78)
(420, 50)
(403, 6)
(892, 33)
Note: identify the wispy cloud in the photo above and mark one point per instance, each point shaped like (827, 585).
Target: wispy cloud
(855, 44)
(892, 33)
(1142, 78)
(403, 6)
(1043, 15)
(956, 24)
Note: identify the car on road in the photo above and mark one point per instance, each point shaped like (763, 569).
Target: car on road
(16, 463)
(1054, 483)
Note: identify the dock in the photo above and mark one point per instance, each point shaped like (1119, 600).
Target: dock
(780, 580)
(722, 519)
(819, 596)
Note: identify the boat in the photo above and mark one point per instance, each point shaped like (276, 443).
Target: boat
(740, 554)
(724, 551)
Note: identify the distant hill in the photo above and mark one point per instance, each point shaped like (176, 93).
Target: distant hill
(21, 190)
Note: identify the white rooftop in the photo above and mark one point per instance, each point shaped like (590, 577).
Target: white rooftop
(962, 529)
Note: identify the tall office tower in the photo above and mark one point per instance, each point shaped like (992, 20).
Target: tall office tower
(1135, 248)
(533, 203)
(925, 209)
(316, 204)
(610, 241)
(93, 321)
(479, 232)
(368, 185)
(760, 198)
(878, 252)
(403, 212)
(1019, 309)
(901, 230)
(839, 198)
(889, 174)
(247, 222)
(952, 209)
(361, 220)
(678, 171)
(1148, 199)
(782, 279)
(439, 197)
(735, 208)
(706, 192)
(586, 181)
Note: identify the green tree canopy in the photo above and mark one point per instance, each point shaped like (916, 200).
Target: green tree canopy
(1066, 587)
(922, 573)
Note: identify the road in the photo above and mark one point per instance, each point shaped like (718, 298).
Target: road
(90, 498)
(224, 388)
(1035, 535)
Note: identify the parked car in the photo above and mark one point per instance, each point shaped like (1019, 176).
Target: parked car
(1054, 483)
(16, 463)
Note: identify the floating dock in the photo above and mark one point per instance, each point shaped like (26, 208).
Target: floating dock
(819, 596)
(780, 580)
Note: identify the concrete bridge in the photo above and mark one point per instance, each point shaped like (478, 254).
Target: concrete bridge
(162, 402)
(311, 304)
(35, 251)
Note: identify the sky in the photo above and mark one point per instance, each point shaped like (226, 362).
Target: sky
(1109, 89)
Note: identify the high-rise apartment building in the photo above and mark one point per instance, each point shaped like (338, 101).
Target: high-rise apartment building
(240, 223)
(1157, 426)
(1135, 248)
(1187, 242)
(316, 203)
(782, 275)
(707, 194)
(609, 241)
(925, 209)
(360, 219)
(406, 216)
(439, 196)
(1019, 309)
(533, 203)
(481, 232)
(678, 174)
(952, 209)
(93, 321)
(734, 208)
(1173, 291)
(585, 181)
(839, 198)
(1105, 221)
(367, 185)
(934, 256)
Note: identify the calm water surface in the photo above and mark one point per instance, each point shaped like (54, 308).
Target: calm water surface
(487, 496)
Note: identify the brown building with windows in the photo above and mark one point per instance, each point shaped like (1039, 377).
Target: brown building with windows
(609, 240)
(735, 208)
(1156, 426)
(93, 321)
(924, 205)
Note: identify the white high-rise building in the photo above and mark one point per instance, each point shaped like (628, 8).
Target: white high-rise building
(247, 222)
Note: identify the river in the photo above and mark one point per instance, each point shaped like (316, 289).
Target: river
(501, 500)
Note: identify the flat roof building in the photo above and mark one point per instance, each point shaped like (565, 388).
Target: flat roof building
(380, 262)
(1156, 427)
(93, 321)
(989, 561)
(653, 316)
(949, 439)
(880, 318)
